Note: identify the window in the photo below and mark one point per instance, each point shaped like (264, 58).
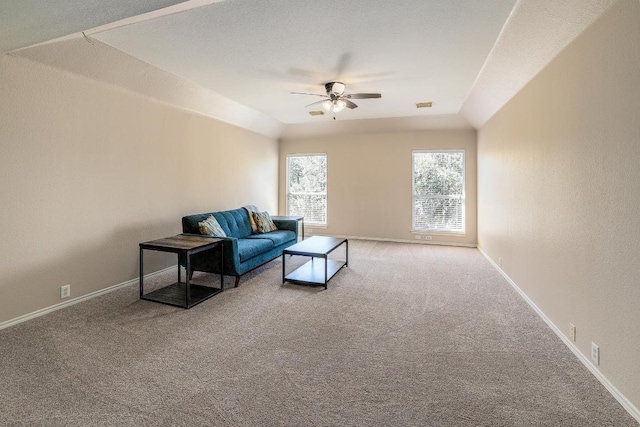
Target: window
(307, 187)
(438, 191)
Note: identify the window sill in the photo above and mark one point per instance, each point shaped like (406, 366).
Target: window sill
(439, 233)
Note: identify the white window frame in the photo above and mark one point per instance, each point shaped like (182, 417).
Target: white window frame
(463, 197)
(288, 192)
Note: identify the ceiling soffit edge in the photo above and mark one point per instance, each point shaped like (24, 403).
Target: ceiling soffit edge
(546, 28)
(104, 64)
(370, 126)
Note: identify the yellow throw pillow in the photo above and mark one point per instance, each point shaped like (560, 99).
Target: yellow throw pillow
(264, 223)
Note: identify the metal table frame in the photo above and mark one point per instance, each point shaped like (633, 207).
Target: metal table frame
(183, 246)
(311, 272)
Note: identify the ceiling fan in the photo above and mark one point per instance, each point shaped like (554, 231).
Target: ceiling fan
(335, 99)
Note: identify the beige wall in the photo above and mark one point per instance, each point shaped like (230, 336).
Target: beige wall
(559, 192)
(88, 171)
(369, 181)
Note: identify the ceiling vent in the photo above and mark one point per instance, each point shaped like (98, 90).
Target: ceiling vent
(316, 113)
(424, 104)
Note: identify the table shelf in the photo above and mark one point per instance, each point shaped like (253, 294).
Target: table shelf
(312, 272)
(175, 294)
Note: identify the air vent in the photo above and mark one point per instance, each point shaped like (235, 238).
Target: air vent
(424, 104)
(316, 113)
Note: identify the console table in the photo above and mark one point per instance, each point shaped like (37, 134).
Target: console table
(320, 269)
(182, 294)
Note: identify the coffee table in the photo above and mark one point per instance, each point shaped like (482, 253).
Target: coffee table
(320, 269)
(182, 294)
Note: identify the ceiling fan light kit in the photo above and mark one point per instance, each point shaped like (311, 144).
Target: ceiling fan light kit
(336, 100)
(336, 105)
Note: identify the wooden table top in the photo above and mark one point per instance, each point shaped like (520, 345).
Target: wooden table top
(180, 242)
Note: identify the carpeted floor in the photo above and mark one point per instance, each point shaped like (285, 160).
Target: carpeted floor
(408, 335)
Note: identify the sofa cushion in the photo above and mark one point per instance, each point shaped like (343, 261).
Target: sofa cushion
(249, 248)
(235, 223)
(211, 227)
(278, 237)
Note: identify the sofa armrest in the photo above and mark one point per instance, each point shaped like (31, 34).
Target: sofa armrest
(233, 240)
(205, 262)
(287, 224)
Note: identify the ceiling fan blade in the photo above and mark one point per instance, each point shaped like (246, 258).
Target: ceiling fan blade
(314, 103)
(363, 95)
(313, 94)
(349, 104)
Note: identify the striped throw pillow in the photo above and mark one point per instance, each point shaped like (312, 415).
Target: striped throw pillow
(211, 227)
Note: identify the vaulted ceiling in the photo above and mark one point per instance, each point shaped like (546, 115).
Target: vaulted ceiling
(467, 57)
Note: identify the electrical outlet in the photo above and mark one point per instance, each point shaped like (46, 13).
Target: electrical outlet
(309, 230)
(572, 332)
(417, 237)
(65, 291)
(499, 261)
(595, 353)
(427, 237)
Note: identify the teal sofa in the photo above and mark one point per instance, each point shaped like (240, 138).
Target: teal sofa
(243, 251)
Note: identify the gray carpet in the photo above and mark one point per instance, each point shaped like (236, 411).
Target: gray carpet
(408, 335)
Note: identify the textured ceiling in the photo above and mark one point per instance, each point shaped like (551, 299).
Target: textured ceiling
(240, 59)
(534, 34)
(27, 22)
(256, 52)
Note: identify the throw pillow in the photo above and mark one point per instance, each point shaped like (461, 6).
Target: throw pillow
(264, 223)
(211, 227)
(250, 210)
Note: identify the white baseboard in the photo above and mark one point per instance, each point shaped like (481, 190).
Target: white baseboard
(76, 300)
(626, 404)
(417, 242)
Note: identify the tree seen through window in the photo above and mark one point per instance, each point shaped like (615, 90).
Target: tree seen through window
(307, 187)
(438, 190)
